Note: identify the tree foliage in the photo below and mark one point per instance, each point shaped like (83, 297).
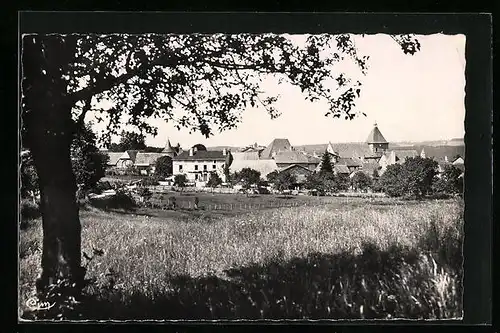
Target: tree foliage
(132, 141)
(414, 177)
(214, 180)
(342, 182)
(361, 181)
(211, 77)
(89, 164)
(450, 181)
(271, 177)
(180, 181)
(163, 166)
(248, 177)
(326, 164)
(284, 181)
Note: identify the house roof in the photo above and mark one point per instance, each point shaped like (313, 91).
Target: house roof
(341, 169)
(349, 162)
(201, 155)
(276, 146)
(376, 136)
(368, 168)
(168, 148)
(352, 149)
(293, 166)
(295, 157)
(113, 157)
(129, 154)
(146, 159)
(246, 155)
(263, 166)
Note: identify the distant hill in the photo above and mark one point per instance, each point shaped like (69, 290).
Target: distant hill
(222, 147)
(435, 143)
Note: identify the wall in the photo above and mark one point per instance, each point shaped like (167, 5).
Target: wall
(188, 169)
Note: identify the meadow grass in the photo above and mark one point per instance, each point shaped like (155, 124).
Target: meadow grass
(349, 258)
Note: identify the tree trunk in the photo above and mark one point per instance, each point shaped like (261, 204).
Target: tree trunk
(48, 132)
(61, 257)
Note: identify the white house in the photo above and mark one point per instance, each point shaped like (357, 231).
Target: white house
(198, 163)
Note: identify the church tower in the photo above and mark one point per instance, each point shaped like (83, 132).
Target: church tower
(169, 151)
(376, 141)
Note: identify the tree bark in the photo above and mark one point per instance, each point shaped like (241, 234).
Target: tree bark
(61, 257)
(48, 133)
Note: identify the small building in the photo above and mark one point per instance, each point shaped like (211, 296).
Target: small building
(285, 159)
(299, 171)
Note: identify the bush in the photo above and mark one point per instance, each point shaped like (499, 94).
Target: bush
(121, 200)
(150, 181)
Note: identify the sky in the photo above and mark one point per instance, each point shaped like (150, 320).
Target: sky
(411, 98)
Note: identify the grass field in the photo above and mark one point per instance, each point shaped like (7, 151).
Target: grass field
(344, 258)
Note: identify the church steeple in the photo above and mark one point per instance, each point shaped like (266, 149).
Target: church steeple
(376, 141)
(169, 151)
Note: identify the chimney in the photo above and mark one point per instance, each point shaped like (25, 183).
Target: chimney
(224, 151)
(191, 151)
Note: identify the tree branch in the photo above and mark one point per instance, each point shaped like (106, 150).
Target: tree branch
(109, 82)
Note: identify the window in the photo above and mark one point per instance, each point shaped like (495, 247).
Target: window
(196, 167)
(205, 167)
(215, 162)
(180, 167)
(214, 166)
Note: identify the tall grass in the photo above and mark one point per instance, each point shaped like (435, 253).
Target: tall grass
(382, 259)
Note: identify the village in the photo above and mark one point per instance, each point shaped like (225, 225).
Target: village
(198, 162)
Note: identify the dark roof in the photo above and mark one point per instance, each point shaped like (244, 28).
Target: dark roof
(276, 146)
(352, 149)
(349, 162)
(368, 168)
(147, 159)
(341, 169)
(295, 166)
(132, 154)
(201, 155)
(295, 157)
(375, 136)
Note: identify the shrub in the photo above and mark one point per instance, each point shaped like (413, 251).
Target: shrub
(121, 200)
(150, 181)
